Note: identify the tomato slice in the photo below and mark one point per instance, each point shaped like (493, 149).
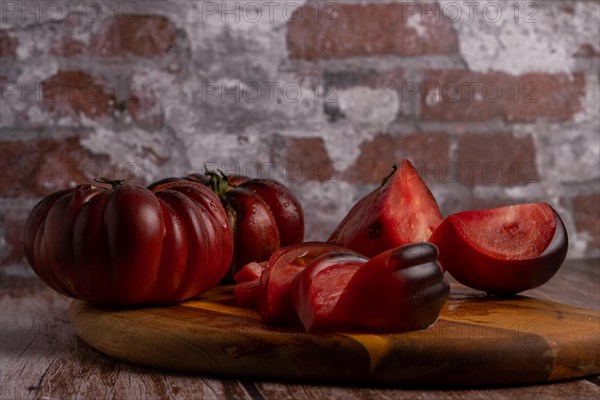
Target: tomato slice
(246, 293)
(503, 250)
(275, 301)
(402, 210)
(317, 289)
(251, 271)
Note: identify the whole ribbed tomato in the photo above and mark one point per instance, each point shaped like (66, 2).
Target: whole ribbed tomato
(264, 214)
(127, 245)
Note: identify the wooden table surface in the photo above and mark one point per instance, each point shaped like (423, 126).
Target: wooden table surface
(41, 358)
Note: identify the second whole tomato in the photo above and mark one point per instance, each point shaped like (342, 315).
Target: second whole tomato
(264, 214)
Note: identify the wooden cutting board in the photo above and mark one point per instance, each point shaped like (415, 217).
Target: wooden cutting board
(477, 341)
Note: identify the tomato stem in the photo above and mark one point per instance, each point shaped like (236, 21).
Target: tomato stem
(217, 181)
(114, 182)
(387, 178)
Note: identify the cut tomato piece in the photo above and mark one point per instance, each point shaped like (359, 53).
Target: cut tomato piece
(402, 289)
(246, 293)
(275, 302)
(402, 210)
(251, 271)
(503, 250)
(317, 289)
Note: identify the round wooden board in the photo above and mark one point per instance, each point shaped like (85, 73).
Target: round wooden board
(477, 341)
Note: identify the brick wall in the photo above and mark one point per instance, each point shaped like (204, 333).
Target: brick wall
(495, 102)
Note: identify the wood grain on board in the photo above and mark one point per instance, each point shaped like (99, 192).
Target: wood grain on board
(477, 341)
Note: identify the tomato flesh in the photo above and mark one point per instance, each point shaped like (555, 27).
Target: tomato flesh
(401, 211)
(275, 302)
(509, 233)
(504, 250)
(250, 272)
(316, 290)
(246, 293)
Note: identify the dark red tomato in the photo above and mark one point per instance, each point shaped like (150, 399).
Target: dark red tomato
(264, 213)
(402, 210)
(275, 301)
(128, 245)
(402, 289)
(503, 250)
(316, 291)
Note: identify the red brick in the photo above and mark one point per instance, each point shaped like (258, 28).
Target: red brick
(496, 159)
(471, 96)
(37, 168)
(428, 153)
(308, 160)
(139, 35)
(142, 105)
(68, 47)
(8, 45)
(586, 213)
(338, 29)
(586, 50)
(79, 91)
(12, 223)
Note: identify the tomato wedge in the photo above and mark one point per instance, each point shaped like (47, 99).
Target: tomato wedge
(399, 290)
(402, 289)
(503, 250)
(402, 210)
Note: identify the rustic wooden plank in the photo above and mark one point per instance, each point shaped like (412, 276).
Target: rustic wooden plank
(41, 358)
(583, 390)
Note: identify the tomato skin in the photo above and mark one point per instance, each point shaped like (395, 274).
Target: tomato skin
(256, 233)
(402, 289)
(285, 208)
(264, 214)
(402, 210)
(128, 245)
(466, 260)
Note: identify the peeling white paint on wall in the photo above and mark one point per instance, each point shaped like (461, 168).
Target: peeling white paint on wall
(535, 41)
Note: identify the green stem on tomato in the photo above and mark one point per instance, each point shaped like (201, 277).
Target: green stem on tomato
(115, 183)
(217, 181)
